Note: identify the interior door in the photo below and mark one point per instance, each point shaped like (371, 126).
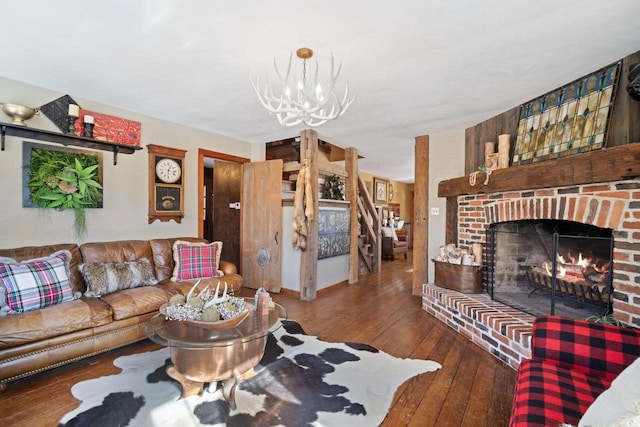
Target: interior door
(227, 184)
(262, 223)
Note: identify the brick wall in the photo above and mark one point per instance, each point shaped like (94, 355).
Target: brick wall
(506, 332)
(613, 205)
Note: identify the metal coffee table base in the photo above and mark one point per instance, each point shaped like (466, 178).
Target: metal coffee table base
(194, 388)
(193, 368)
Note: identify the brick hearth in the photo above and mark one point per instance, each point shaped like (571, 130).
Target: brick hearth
(501, 330)
(614, 205)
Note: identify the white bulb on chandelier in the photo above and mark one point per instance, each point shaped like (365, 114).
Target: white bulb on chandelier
(310, 105)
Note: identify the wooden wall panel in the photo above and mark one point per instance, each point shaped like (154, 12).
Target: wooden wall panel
(488, 131)
(624, 127)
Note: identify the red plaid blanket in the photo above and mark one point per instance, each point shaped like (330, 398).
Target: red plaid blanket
(573, 361)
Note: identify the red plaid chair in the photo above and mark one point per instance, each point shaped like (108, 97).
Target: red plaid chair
(572, 362)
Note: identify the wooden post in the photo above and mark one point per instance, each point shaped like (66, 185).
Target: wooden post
(309, 257)
(351, 189)
(421, 215)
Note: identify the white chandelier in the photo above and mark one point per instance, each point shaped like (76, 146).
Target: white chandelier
(302, 101)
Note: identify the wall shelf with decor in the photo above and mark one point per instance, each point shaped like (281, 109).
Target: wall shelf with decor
(64, 139)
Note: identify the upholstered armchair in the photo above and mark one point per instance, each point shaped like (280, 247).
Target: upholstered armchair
(393, 244)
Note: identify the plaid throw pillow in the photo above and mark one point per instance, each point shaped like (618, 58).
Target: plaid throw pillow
(196, 260)
(37, 283)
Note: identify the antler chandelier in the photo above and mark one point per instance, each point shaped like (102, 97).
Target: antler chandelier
(300, 100)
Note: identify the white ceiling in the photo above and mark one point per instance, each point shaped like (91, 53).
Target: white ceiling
(417, 67)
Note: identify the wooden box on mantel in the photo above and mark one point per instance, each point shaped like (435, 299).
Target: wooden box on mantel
(457, 277)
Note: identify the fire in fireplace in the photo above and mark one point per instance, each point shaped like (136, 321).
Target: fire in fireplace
(550, 267)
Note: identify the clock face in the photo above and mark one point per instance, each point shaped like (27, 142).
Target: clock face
(168, 170)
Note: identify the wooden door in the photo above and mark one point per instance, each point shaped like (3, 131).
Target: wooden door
(262, 223)
(227, 186)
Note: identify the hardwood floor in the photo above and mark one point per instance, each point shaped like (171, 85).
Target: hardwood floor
(472, 389)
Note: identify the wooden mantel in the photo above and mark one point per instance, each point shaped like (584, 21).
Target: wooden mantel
(609, 164)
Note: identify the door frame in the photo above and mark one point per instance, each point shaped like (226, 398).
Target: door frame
(202, 154)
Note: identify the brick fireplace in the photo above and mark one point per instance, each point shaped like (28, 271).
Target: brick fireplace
(612, 204)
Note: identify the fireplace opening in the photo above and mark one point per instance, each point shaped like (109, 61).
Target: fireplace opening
(550, 267)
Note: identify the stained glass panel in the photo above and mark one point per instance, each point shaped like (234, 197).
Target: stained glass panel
(569, 120)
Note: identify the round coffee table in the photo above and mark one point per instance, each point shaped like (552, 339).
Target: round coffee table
(201, 355)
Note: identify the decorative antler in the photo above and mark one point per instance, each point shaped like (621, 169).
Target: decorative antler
(309, 104)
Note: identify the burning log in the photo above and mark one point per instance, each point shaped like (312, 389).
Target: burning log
(581, 288)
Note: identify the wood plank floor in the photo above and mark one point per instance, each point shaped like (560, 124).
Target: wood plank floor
(472, 389)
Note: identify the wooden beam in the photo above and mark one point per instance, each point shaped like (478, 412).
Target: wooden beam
(420, 215)
(309, 257)
(351, 189)
(609, 164)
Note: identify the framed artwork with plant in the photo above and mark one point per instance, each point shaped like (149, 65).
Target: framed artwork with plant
(62, 178)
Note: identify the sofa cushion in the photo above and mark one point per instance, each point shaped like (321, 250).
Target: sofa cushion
(133, 302)
(593, 348)
(619, 404)
(116, 251)
(196, 260)
(53, 321)
(548, 395)
(37, 283)
(103, 278)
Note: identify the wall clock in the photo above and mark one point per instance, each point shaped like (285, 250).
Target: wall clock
(166, 183)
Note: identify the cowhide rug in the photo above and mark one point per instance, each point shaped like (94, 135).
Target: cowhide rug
(301, 381)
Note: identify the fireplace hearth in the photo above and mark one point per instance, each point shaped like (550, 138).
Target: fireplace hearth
(612, 206)
(550, 267)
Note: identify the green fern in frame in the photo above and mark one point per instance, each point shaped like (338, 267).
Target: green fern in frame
(64, 180)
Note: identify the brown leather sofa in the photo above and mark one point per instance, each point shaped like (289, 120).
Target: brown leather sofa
(34, 341)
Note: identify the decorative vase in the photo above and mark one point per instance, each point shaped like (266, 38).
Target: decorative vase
(489, 148)
(504, 144)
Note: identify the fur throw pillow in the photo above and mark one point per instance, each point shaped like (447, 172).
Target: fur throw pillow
(108, 277)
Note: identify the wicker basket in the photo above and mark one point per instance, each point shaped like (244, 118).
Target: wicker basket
(461, 278)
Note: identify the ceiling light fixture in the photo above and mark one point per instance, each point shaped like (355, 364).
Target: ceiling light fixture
(302, 101)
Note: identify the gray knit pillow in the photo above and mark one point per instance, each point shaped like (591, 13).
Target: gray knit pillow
(107, 277)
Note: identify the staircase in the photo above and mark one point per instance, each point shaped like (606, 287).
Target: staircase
(369, 242)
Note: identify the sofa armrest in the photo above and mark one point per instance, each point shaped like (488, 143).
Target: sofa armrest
(592, 348)
(228, 267)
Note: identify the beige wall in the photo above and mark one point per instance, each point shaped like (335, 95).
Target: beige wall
(446, 161)
(400, 193)
(124, 215)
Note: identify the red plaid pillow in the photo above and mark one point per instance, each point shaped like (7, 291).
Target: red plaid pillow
(37, 283)
(196, 260)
